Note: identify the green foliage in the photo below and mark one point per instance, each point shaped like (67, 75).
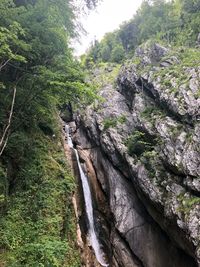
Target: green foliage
(108, 50)
(35, 58)
(143, 146)
(37, 225)
(178, 73)
(121, 119)
(117, 54)
(38, 228)
(3, 185)
(109, 123)
(10, 44)
(172, 22)
(186, 202)
(112, 122)
(136, 61)
(138, 143)
(128, 34)
(152, 113)
(103, 74)
(105, 53)
(150, 160)
(190, 57)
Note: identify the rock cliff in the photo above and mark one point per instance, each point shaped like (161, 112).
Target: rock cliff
(142, 145)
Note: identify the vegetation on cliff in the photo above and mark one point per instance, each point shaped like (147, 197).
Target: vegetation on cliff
(171, 22)
(38, 74)
(158, 89)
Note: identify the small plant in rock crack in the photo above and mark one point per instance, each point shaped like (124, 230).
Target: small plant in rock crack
(187, 202)
(112, 122)
(139, 142)
(109, 122)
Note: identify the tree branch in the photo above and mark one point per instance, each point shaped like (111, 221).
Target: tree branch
(4, 64)
(4, 145)
(3, 142)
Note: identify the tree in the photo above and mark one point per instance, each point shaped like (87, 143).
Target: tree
(192, 6)
(10, 44)
(38, 75)
(34, 53)
(117, 54)
(128, 34)
(105, 53)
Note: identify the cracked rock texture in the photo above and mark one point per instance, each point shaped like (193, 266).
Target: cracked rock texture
(143, 142)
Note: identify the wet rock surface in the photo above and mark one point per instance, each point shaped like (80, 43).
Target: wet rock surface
(143, 142)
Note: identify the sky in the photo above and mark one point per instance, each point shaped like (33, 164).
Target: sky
(107, 17)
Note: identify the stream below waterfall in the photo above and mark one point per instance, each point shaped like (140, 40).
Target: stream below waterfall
(88, 205)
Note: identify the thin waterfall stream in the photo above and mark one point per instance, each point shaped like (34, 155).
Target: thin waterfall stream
(88, 205)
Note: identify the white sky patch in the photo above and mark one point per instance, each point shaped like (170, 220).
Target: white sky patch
(106, 18)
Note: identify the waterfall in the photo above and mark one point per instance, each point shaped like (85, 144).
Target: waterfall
(69, 140)
(88, 205)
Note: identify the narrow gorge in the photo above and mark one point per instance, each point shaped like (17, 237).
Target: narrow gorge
(139, 147)
(99, 133)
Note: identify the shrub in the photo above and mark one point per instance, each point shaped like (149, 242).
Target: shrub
(112, 122)
(117, 54)
(138, 143)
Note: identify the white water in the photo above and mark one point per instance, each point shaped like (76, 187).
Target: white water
(69, 140)
(88, 206)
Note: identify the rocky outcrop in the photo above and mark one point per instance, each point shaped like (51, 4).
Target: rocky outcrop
(143, 143)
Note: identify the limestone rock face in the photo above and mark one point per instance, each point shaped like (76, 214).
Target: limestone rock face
(150, 54)
(144, 144)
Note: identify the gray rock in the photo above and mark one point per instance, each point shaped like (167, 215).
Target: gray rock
(151, 53)
(154, 194)
(122, 253)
